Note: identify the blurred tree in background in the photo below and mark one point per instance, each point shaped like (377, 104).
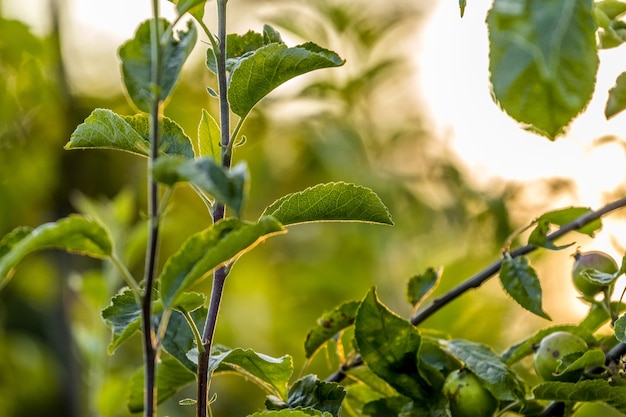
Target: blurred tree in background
(369, 128)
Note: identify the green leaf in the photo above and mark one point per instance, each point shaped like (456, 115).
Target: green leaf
(136, 57)
(123, 316)
(586, 360)
(616, 102)
(561, 217)
(389, 346)
(543, 60)
(104, 129)
(311, 393)
(272, 374)
(209, 138)
(237, 48)
(526, 347)
(421, 285)
(520, 281)
(583, 391)
(462, 4)
(171, 376)
(179, 340)
(74, 234)
(291, 413)
(268, 67)
(620, 329)
(173, 140)
(389, 406)
(490, 368)
(228, 186)
(329, 325)
(194, 7)
(337, 201)
(208, 249)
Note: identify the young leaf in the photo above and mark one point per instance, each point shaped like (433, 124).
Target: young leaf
(208, 249)
(268, 67)
(542, 60)
(538, 236)
(520, 281)
(136, 57)
(171, 376)
(226, 185)
(616, 102)
(389, 346)
(74, 234)
(336, 201)
(208, 138)
(237, 48)
(489, 367)
(329, 325)
(272, 374)
(194, 7)
(421, 285)
(104, 129)
(123, 316)
(620, 329)
(586, 360)
(311, 393)
(583, 391)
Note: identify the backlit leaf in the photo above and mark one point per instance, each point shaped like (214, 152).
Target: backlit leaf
(421, 285)
(208, 249)
(490, 368)
(74, 234)
(291, 413)
(389, 345)
(543, 60)
(272, 374)
(104, 129)
(136, 57)
(337, 201)
(194, 7)
(520, 281)
(268, 67)
(616, 102)
(329, 325)
(209, 138)
(123, 316)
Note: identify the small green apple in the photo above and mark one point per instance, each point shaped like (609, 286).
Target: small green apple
(591, 260)
(551, 352)
(468, 397)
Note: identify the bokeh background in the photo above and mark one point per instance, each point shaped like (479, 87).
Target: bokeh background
(409, 116)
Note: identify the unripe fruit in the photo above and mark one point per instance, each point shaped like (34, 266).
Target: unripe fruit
(551, 351)
(591, 260)
(468, 398)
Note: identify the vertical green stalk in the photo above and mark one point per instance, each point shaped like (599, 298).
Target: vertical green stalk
(149, 339)
(220, 274)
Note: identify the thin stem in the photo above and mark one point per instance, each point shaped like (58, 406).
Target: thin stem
(220, 274)
(149, 338)
(128, 277)
(482, 276)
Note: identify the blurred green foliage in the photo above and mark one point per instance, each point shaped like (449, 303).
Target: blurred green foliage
(359, 123)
